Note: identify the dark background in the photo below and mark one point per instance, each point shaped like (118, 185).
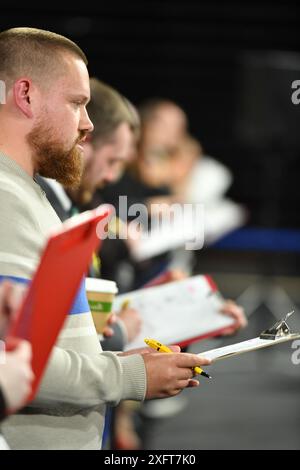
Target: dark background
(213, 58)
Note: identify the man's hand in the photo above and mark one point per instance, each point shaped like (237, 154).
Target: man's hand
(11, 296)
(16, 376)
(108, 331)
(132, 322)
(168, 374)
(233, 310)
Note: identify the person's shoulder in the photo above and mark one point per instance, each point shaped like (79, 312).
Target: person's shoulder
(12, 193)
(14, 207)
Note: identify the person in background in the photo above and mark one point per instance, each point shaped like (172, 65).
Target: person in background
(170, 167)
(170, 156)
(148, 177)
(106, 159)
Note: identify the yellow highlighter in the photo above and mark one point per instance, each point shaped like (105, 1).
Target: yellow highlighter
(152, 343)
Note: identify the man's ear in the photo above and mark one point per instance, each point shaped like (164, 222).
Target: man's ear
(22, 91)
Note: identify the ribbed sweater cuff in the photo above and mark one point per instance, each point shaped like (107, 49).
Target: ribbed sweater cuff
(134, 377)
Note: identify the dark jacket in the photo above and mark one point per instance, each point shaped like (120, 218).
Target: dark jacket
(2, 406)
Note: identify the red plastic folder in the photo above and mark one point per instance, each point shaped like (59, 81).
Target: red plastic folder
(51, 293)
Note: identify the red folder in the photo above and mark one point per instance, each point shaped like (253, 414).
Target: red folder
(55, 284)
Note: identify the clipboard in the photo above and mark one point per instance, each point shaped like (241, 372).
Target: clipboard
(278, 333)
(179, 312)
(62, 267)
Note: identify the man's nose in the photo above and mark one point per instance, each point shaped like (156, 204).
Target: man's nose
(110, 177)
(85, 122)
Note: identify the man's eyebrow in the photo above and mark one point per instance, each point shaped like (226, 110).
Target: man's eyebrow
(82, 98)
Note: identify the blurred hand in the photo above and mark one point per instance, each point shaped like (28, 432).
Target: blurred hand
(233, 310)
(177, 275)
(11, 296)
(16, 376)
(132, 322)
(108, 331)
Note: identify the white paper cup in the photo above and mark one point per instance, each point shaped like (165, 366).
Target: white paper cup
(100, 294)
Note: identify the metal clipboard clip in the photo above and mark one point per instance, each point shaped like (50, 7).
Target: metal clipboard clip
(278, 330)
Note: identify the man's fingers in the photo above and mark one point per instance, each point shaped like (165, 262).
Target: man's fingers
(192, 360)
(193, 383)
(23, 349)
(185, 374)
(112, 319)
(108, 332)
(233, 310)
(16, 296)
(187, 384)
(128, 311)
(177, 275)
(5, 288)
(228, 331)
(11, 296)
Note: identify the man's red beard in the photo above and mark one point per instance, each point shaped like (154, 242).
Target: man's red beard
(52, 160)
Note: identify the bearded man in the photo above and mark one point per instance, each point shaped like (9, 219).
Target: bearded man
(42, 126)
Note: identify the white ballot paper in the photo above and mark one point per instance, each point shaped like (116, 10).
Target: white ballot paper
(245, 346)
(178, 312)
(189, 229)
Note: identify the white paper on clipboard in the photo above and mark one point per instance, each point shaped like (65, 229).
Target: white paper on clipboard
(177, 312)
(245, 346)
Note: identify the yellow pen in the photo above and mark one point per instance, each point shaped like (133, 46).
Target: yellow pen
(152, 343)
(96, 262)
(125, 304)
(116, 226)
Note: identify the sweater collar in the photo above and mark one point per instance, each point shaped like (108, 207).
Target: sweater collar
(13, 166)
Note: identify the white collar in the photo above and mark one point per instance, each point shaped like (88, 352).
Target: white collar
(60, 193)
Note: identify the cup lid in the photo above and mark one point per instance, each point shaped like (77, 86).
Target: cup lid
(101, 285)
